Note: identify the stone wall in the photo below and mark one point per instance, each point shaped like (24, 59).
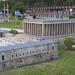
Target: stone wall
(16, 58)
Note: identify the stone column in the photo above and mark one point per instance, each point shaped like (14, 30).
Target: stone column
(55, 27)
(74, 27)
(24, 27)
(52, 29)
(71, 27)
(58, 29)
(27, 28)
(68, 27)
(49, 29)
(32, 28)
(61, 29)
(46, 30)
(64, 27)
(35, 29)
(40, 29)
(43, 26)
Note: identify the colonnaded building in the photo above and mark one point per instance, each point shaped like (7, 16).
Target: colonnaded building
(49, 26)
(35, 51)
(60, 12)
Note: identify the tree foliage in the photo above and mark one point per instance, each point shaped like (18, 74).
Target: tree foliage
(68, 42)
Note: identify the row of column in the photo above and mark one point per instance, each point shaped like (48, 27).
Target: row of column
(49, 29)
(33, 29)
(59, 29)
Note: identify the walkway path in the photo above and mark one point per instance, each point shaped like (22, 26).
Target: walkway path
(19, 30)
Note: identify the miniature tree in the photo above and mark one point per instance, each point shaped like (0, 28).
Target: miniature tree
(68, 42)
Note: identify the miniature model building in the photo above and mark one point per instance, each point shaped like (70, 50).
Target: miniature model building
(49, 26)
(51, 11)
(35, 51)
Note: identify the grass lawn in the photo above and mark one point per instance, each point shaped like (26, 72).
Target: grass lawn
(63, 66)
(13, 23)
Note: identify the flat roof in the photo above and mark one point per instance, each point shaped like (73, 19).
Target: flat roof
(33, 43)
(3, 31)
(49, 21)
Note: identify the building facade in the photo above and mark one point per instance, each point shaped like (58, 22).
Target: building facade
(49, 26)
(14, 56)
(59, 12)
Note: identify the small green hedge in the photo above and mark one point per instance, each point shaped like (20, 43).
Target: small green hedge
(14, 31)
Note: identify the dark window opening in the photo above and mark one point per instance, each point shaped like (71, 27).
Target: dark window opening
(19, 54)
(21, 60)
(16, 55)
(23, 53)
(2, 57)
(1, 34)
(27, 53)
(12, 56)
(30, 52)
(52, 47)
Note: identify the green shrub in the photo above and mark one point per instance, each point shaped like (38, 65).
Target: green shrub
(68, 42)
(14, 31)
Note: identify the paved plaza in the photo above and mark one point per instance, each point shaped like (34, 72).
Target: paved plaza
(17, 39)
